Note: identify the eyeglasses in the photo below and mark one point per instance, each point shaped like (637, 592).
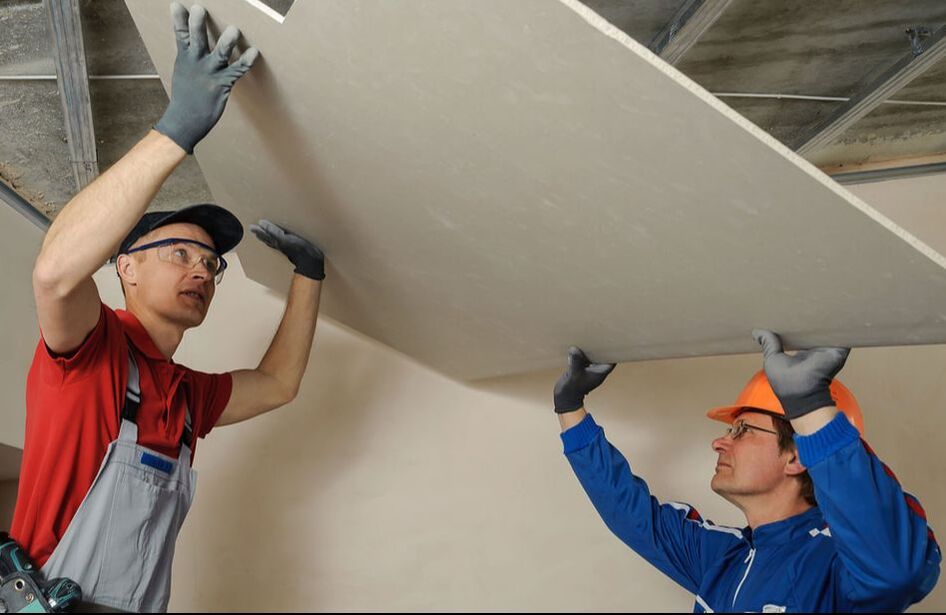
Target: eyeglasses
(739, 428)
(188, 254)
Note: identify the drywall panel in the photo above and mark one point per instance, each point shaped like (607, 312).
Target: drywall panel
(493, 181)
(20, 241)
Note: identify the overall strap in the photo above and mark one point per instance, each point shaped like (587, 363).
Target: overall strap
(133, 401)
(132, 391)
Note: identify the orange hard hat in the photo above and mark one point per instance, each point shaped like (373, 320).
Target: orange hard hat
(758, 394)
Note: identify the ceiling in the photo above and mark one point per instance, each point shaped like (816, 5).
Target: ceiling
(755, 54)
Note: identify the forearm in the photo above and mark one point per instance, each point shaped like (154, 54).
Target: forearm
(87, 231)
(663, 534)
(288, 354)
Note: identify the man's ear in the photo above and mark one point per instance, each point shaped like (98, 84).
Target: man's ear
(794, 467)
(127, 268)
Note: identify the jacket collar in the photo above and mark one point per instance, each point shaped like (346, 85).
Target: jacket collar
(780, 532)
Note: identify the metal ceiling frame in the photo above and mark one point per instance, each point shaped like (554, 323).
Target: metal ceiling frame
(879, 175)
(65, 26)
(690, 23)
(12, 198)
(905, 70)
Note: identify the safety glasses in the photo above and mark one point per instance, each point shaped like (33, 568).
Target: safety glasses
(187, 254)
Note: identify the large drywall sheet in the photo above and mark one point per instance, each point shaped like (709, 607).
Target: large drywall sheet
(493, 181)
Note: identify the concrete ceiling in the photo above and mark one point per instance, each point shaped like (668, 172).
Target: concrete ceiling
(34, 155)
(812, 48)
(767, 47)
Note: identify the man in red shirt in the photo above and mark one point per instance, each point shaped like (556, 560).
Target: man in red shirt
(111, 420)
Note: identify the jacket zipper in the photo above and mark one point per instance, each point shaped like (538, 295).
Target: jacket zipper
(749, 561)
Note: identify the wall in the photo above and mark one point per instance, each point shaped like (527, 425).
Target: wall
(7, 502)
(386, 486)
(19, 244)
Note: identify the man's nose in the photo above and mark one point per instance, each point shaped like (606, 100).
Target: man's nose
(722, 443)
(201, 271)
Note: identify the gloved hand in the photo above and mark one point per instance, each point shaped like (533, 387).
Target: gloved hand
(201, 83)
(309, 260)
(581, 377)
(801, 382)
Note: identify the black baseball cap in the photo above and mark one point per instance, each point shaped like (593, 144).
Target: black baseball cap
(222, 226)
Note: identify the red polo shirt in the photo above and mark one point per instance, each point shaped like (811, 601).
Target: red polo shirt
(73, 412)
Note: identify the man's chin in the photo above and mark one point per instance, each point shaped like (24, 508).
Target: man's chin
(190, 318)
(717, 486)
(197, 320)
(725, 492)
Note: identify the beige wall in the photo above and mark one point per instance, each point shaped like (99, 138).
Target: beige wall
(7, 503)
(19, 243)
(386, 486)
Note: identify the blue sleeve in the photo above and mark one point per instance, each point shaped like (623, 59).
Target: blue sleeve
(672, 537)
(887, 554)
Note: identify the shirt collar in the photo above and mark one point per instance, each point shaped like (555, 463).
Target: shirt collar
(139, 336)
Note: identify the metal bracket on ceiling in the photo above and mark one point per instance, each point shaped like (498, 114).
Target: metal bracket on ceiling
(12, 198)
(917, 35)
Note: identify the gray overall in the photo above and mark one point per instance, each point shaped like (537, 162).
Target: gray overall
(120, 544)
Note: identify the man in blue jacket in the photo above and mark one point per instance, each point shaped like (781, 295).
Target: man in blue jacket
(855, 542)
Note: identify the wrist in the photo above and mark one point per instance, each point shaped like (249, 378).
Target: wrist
(814, 420)
(167, 126)
(312, 272)
(162, 140)
(567, 420)
(797, 406)
(565, 404)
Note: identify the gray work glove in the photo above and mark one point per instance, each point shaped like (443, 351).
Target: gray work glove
(801, 382)
(581, 377)
(202, 78)
(309, 260)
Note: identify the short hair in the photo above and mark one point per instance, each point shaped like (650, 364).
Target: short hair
(786, 444)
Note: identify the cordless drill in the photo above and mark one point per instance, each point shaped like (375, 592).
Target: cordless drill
(22, 588)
